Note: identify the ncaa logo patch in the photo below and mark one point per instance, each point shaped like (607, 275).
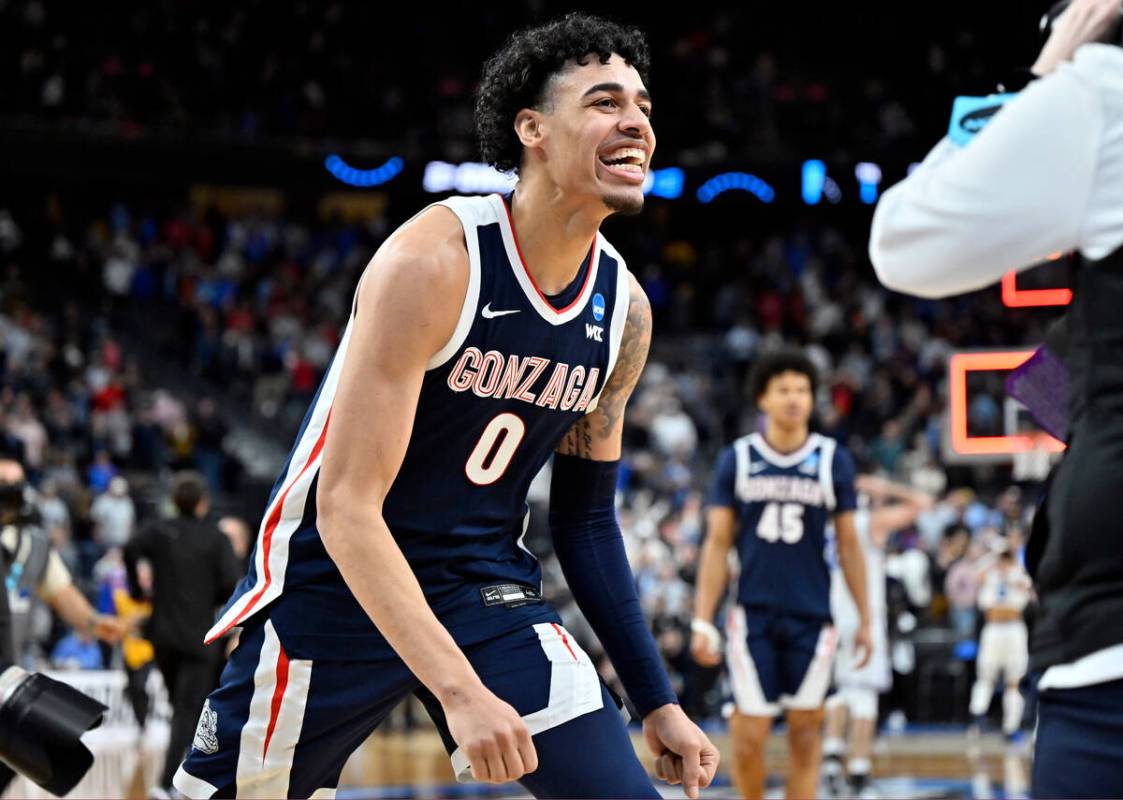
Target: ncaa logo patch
(598, 306)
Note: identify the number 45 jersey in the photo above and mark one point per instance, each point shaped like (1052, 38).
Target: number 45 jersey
(517, 373)
(784, 504)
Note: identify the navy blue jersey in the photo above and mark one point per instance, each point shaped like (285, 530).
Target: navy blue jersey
(784, 504)
(494, 404)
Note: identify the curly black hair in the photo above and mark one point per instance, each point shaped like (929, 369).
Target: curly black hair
(771, 364)
(516, 77)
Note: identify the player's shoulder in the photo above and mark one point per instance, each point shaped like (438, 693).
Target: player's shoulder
(434, 235)
(741, 441)
(730, 450)
(637, 297)
(729, 454)
(607, 248)
(427, 251)
(836, 446)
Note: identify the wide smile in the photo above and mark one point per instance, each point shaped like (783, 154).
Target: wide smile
(627, 163)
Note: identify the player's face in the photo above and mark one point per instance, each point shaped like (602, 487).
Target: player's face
(787, 399)
(598, 139)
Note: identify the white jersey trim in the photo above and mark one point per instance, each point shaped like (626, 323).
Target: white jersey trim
(269, 737)
(826, 470)
(574, 689)
(784, 460)
(189, 786)
(286, 511)
(743, 456)
(467, 210)
(748, 694)
(619, 318)
(544, 309)
(817, 680)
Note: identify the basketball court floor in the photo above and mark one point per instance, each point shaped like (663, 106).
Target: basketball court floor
(932, 762)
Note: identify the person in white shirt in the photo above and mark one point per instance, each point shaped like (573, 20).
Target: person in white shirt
(113, 514)
(1046, 175)
(884, 507)
(1005, 591)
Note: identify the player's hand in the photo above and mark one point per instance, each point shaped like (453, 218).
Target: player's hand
(108, 629)
(863, 646)
(870, 484)
(683, 754)
(1082, 22)
(492, 735)
(705, 643)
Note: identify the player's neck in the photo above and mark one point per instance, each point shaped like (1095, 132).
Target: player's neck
(785, 440)
(554, 235)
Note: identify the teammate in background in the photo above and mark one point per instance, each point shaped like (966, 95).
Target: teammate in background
(772, 497)
(884, 508)
(1005, 591)
(487, 333)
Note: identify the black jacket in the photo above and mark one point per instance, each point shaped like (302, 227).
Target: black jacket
(194, 570)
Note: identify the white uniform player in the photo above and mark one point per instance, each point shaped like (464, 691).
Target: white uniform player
(858, 688)
(1003, 647)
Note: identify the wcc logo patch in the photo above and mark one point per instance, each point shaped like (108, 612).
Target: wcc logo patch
(206, 734)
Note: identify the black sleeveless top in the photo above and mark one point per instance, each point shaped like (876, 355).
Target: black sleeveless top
(1075, 552)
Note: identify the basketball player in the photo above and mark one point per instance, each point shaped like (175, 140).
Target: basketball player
(486, 333)
(884, 507)
(1005, 591)
(772, 497)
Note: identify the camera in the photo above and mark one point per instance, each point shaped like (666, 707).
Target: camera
(41, 724)
(41, 720)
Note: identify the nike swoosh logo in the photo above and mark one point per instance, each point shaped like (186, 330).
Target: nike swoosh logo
(489, 314)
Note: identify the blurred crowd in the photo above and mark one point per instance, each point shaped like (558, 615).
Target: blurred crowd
(250, 307)
(97, 442)
(250, 72)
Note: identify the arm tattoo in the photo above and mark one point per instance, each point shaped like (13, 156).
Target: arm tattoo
(604, 421)
(578, 440)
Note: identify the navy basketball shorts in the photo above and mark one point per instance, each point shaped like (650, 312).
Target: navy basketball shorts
(777, 661)
(280, 727)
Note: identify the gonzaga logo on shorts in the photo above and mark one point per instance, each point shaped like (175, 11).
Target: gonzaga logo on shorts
(206, 734)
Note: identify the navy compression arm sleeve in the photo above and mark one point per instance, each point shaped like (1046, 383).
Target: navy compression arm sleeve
(590, 549)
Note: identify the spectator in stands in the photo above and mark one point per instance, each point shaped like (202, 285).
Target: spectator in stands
(238, 533)
(113, 514)
(101, 472)
(210, 431)
(962, 589)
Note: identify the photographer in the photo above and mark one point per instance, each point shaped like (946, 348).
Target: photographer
(41, 719)
(31, 563)
(1046, 175)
